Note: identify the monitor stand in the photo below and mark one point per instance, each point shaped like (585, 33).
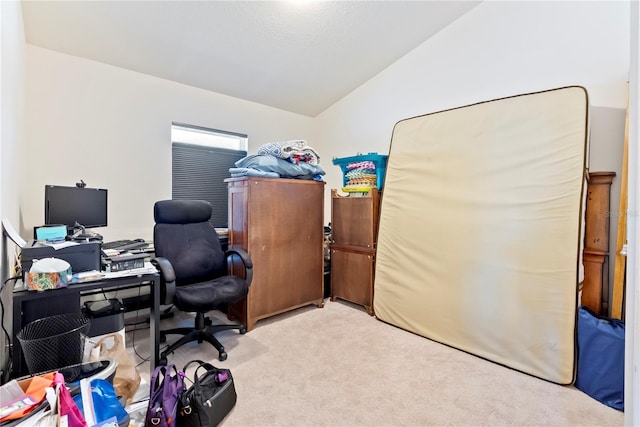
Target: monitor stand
(82, 235)
(86, 237)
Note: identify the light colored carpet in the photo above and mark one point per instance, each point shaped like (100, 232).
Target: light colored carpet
(338, 366)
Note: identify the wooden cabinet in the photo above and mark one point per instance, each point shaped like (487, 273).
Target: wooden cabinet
(279, 222)
(595, 289)
(352, 275)
(354, 226)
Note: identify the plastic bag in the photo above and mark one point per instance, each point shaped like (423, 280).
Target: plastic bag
(35, 388)
(66, 406)
(127, 378)
(61, 410)
(105, 402)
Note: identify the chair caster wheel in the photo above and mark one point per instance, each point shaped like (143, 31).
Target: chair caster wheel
(163, 337)
(162, 361)
(243, 330)
(222, 356)
(207, 321)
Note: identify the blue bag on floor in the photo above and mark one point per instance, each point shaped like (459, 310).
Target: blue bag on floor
(600, 371)
(105, 402)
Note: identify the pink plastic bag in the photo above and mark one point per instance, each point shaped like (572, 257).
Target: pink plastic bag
(66, 406)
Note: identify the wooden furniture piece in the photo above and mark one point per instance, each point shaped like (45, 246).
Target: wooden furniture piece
(279, 222)
(354, 223)
(595, 290)
(620, 263)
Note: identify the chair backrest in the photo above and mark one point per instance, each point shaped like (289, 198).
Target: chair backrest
(183, 235)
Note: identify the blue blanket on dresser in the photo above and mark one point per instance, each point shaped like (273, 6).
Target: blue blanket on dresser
(275, 167)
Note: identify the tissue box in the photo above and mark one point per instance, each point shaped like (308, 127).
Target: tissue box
(46, 281)
(48, 273)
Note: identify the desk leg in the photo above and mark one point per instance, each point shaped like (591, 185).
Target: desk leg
(154, 326)
(16, 368)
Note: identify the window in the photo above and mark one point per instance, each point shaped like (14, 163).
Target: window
(201, 159)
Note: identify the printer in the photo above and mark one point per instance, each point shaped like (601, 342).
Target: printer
(83, 256)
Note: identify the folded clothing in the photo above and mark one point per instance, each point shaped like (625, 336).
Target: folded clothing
(360, 174)
(267, 165)
(367, 164)
(296, 151)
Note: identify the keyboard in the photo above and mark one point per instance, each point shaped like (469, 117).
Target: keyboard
(125, 245)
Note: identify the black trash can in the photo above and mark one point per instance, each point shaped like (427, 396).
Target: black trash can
(53, 342)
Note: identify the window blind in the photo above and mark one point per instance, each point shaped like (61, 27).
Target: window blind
(198, 173)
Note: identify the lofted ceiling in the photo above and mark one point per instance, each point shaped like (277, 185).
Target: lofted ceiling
(299, 56)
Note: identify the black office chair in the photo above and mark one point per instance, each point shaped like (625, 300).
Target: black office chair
(194, 270)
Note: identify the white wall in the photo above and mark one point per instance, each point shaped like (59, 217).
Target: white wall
(111, 128)
(12, 45)
(12, 93)
(632, 297)
(497, 49)
(607, 133)
(97, 117)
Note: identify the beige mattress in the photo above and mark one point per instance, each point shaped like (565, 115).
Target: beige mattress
(480, 229)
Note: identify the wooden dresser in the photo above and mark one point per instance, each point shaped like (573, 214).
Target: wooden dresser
(595, 290)
(279, 222)
(354, 222)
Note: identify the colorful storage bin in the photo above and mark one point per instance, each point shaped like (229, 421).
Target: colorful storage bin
(362, 172)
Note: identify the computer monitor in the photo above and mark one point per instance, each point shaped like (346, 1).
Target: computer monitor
(75, 206)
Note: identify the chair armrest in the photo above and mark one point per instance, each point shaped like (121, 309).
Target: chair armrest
(246, 261)
(167, 279)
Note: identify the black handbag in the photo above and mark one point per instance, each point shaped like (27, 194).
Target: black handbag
(209, 399)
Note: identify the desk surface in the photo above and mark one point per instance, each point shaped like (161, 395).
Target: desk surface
(100, 276)
(21, 292)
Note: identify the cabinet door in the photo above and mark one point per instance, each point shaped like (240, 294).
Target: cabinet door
(352, 277)
(354, 220)
(597, 214)
(279, 222)
(595, 291)
(596, 283)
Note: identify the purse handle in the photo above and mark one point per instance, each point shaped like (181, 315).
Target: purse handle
(208, 366)
(166, 372)
(154, 376)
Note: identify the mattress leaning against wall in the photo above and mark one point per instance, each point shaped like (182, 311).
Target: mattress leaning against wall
(480, 227)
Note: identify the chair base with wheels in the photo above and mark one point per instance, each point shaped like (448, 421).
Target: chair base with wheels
(203, 331)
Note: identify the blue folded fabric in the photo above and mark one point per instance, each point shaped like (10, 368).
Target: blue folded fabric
(238, 172)
(283, 168)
